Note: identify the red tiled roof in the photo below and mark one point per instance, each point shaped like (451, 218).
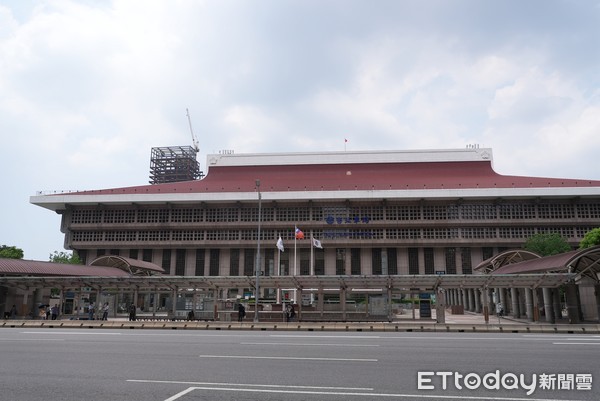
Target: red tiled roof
(22, 267)
(359, 176)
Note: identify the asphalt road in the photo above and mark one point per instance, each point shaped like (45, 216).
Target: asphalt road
(154, 365)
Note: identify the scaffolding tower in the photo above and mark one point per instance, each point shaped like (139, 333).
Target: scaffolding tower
(174, 164)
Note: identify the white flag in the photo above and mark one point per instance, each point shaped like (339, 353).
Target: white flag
(317, 243)
(280, 244)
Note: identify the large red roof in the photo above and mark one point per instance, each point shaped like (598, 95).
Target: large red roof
(359, 176)
(20, 267)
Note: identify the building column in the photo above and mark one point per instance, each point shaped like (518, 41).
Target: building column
(470, 300)
(556, 303)
(572, 303)
(503, 300)
(37, 300)
(486, 304)
(548, 309)
(597, 293)
(320, 302)
(440, 310)
(477, 296)
(465, 302)
(155, 303)
(343, 302)
(299, 304)
(529, 304)
(389, 305)
(514, 294)
(173, 304)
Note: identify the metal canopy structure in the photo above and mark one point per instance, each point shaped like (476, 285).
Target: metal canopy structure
(505, 258)
(132, 266)
(581, 263)
(404, 283)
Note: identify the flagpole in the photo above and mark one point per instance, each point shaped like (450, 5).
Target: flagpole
(312, 259)
(278, 300)
(295, 271)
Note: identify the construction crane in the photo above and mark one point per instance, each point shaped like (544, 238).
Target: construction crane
(194, 140)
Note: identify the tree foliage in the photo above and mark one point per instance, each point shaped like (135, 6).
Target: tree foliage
(11, 252)
(71, 258)
(591, 238)
(547, 244)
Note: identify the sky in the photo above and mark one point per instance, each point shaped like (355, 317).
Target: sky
(87, 88)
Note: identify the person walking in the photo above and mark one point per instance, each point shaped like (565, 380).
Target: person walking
(13, 312)
(241, 312)
(105, 311)
(91, 311)
(132, 309)
(54, 312)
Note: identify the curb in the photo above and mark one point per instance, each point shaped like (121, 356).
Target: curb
(310, 326)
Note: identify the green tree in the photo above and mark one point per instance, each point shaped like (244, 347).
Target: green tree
(11, 252)
(547, 244)
(591, 238)
(71, 258)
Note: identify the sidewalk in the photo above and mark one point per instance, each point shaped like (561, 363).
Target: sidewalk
(469, 322)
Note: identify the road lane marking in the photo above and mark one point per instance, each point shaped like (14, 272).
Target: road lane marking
(31, 339)
(287, 386)
(315, 344)
(578, 343)
(180, 394)
(288, 358)
(314, 390)
(81, 333)
(363, 394)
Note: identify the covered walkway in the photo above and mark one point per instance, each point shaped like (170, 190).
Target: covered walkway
(580, 295)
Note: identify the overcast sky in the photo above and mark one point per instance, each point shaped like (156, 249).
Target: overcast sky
(87, 88)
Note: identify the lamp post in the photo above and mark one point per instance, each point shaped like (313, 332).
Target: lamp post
(257, 295)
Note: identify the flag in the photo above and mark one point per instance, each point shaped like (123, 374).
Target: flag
(299, 234)
(317, 243)
(280, 244)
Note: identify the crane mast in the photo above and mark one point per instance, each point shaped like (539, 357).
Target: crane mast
(194, 140)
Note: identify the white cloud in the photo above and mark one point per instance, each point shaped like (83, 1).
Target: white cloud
(87, 88)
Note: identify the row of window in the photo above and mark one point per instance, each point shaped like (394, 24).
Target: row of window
(288, 235)
(340, 214)
(384, 261)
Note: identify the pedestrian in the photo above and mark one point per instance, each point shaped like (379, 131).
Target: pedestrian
(105, 311)
(292, 312)
(54, 312)
(91, 311)
(13, 312)
(42, 312)
(132, 312)
(499, 309)
(191, 316)
(288, 312)
(241, 312)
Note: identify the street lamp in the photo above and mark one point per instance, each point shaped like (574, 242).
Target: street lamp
(257, 295)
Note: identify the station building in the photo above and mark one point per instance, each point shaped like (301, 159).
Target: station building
(372, 213)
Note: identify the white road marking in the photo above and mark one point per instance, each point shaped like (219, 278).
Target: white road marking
(182, 393)
(287, 386)
(31, 339)
(359, 394)
(315, 344)
(576, 343)
(320, 336)
(82, 333)
(289, 358)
